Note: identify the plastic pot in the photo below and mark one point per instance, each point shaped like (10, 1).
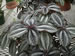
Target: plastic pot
(11, 5)
(2, 20)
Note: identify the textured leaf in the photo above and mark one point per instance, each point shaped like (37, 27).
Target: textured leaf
(45, 41)
(72, 50)
(16, 26)
(17, 32)
(1, 36)
(31, 7)
(12, 48)
(31, 21)
(46, 19)
(22, 54)
(43, 18)
(27, 17)
(46, 28)
(33, 37)
(20, 14)
(73, 53)
(71, 30)
(23, 46)
(50, 7)
(57, 19)
(24, 3)
(44, 9)
(64, 38)
(37, 54)
(54, 7)
(5, 41)
(54, 53)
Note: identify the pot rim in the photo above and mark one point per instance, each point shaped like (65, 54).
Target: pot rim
(11, 5)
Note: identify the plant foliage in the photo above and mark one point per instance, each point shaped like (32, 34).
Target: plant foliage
(42, 31)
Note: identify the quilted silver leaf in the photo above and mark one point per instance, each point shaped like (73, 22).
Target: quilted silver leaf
(45, 41)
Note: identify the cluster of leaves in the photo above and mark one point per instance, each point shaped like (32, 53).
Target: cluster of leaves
(35, 34)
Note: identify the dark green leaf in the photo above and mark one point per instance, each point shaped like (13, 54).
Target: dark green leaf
(53, 7)
(72, 50)
(18, 32)
(71, 30)
(22, 54)
(5, 41)
(12, 48)
(45, 41)
(47, 28)
(37, 54)
(23, 46)
(64, 38)
(33, 37)
(57, 19)
(54, 52)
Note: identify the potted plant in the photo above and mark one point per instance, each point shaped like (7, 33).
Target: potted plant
(1, 14)
(11, 4)
(40, 32)
(64, 5)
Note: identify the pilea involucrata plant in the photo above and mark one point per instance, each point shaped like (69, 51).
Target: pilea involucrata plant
(41, 31)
